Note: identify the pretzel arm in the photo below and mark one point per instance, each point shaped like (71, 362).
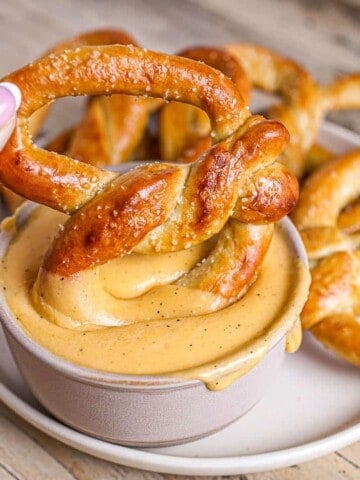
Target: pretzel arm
(112, 126)
(334, 301)
(182, 126)
(110, 130)
(45, 176)
(340, 333)
(323, 197)
(349, 219)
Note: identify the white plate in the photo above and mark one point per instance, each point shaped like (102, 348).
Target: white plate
(311, 409)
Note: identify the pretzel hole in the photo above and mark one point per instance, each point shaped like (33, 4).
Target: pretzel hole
(63, 114)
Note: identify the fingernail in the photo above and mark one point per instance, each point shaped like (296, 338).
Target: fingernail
(5, 131)
(15, 90)
(10, 99)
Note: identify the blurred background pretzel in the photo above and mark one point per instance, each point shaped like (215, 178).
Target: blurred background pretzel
(329, 224)
(333, 303)
(304, 103)
(326, 215)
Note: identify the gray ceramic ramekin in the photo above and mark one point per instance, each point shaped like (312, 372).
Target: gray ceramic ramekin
(135, 410)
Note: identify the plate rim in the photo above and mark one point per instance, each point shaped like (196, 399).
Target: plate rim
(182, 465)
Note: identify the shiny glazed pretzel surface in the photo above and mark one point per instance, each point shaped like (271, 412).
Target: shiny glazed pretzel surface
(157, 207)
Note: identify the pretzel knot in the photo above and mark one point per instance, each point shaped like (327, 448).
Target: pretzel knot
(304, 103)
(156, 207)
(328, 218)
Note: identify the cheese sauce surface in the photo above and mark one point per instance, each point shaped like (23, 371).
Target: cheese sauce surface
(175, 330)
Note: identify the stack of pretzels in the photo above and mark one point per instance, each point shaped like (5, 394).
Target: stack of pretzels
(232, 174)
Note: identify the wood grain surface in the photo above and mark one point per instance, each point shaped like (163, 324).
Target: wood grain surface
(323, 35)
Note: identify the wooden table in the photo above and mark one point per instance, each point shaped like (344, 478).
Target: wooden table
(323, 35)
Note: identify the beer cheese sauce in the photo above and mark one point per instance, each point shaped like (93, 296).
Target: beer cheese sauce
(162, 329)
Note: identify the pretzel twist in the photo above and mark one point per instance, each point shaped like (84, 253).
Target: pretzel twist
(184, 135)
(156, 207)
(304, 102)
(89, 142)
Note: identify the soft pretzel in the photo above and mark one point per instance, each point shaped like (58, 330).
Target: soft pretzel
(329, 223)
(324, 225)
(304, 103)
(342, 93)
(333, 303)
(156, 207)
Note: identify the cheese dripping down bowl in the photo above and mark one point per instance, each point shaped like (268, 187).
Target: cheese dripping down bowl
(151, 383)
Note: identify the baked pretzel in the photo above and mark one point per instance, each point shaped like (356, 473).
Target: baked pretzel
(329, 224)
(333, 303)
(304, 103)
(156, 207)
(324, 225)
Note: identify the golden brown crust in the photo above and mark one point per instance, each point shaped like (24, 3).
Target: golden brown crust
(304, 102)
(155, 207)
(233, 265)
(333, 303)
(342, 93)
(110, 130)
(300, 111)
(349, 218)
(267, 195)
(112, 126)
(340, 333)
(128, 118)
(323, 197)
(113, 223)
(183, 132)
(330, 233)
(184, 127)
(197, 206)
